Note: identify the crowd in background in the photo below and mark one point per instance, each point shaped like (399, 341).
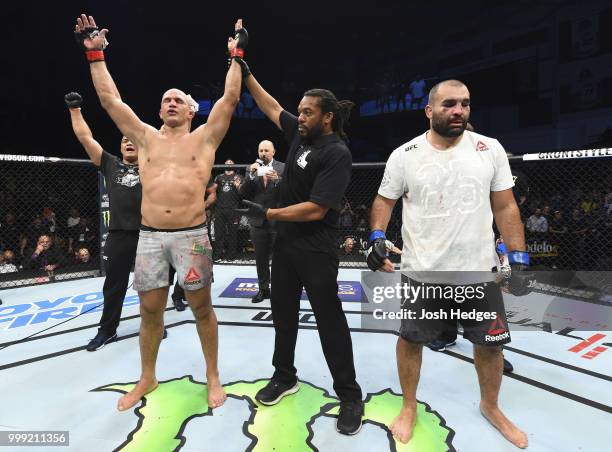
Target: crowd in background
(46, 241)
(52, 234)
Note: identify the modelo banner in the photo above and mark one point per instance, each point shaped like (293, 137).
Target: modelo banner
(541, 248)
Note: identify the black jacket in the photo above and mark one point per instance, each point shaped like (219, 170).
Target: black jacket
(253, 189)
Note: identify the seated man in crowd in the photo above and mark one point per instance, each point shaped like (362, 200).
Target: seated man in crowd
(82, 256)
(6, 262)
(45, 256)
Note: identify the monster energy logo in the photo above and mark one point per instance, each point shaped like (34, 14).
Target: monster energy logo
(165, 413)
(106, 218)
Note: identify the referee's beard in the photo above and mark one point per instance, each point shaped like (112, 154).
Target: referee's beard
(311, 133)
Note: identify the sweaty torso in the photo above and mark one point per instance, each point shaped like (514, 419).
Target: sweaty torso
(174, 173)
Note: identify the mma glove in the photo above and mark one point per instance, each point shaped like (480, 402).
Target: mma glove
(73, 100)
(521, 279)
(92, 55)
(377, 252)
(242, 36)
(254, 210)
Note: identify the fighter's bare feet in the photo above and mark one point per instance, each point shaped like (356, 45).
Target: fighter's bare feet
(403, 424)
(216, 393)
(510, 431)
(142, 388)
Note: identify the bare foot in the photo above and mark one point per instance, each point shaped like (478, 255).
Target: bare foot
(403, 424)
(133, 397)
(216, 394)
(510, 431)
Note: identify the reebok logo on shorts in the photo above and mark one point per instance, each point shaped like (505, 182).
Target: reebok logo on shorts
(497, 331)
(193, 277)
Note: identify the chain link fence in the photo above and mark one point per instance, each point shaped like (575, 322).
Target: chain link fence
(49, 218)
(565, 204)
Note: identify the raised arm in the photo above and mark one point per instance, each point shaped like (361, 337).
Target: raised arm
(81, 129)
(266, 103)
(221, 114)
(93, 42)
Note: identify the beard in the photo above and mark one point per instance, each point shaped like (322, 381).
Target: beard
(314, 132)
(131, 158)
(444, 128)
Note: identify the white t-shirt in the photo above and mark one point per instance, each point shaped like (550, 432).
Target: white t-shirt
(447, 222)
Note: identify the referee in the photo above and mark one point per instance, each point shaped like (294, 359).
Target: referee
(317, 173)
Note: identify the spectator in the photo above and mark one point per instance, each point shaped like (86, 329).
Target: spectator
(6, 262)
(349, 250)
(73, 219)
(82, 256)
(45, 256)
(48, 219)
(556, 202)
(578, 224)
(346, 215)
(34, 231)
(82, 235)
(417, 92)
(546, 213)
(536, 222)
(589, 203)
(557, 223)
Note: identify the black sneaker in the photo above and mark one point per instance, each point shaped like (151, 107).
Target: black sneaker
(274, 391)
(439, 345)
(178, 302)
(261, 296)
(100, 341)
(349, 417)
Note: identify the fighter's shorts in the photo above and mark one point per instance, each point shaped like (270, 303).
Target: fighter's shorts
(438, 308)
(188, 250)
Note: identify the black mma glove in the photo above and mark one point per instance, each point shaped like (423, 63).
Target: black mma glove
(521, 280)
(81, 36)
(377, 252)
(73, 100)
(254, 211)
(242, 38)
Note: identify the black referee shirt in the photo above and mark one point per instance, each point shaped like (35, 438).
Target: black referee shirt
(317, 171)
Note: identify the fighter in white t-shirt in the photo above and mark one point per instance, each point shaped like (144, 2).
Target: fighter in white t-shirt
(453, 183)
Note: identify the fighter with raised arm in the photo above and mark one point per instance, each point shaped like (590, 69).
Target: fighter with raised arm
(175, 166)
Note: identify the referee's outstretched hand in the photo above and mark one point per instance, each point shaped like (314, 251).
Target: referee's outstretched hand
(254, 210)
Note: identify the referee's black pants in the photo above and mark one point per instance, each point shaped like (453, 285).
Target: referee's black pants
(293, 269)
(119, 253)
(263, 239)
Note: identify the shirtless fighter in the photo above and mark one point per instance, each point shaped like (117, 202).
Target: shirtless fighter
(175, 166)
